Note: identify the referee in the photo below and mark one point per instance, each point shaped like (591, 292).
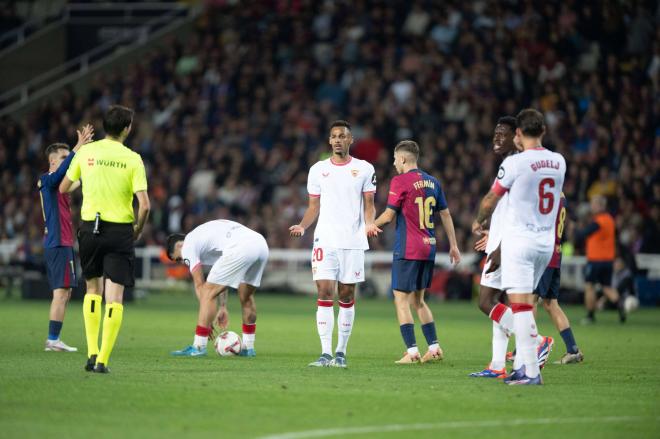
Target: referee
(111, 174)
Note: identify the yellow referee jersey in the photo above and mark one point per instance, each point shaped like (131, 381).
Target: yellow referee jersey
(111, 174)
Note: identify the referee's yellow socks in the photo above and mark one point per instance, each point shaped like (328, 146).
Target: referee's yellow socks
(114, 313)
(92, 317)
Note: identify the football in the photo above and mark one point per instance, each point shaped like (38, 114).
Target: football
(227, 344)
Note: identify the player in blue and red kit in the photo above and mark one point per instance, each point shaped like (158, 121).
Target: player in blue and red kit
(414, 198)
(58, 235)
(548, 290)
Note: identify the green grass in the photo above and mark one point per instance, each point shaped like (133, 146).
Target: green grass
(152, 395)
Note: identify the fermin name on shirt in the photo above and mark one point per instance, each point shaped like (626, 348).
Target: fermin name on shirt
(424, 183)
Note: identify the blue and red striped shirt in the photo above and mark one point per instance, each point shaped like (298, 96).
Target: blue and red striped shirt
(560, 223)
(416, 197)
(57, 213)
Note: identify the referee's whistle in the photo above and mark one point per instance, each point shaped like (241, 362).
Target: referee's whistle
(97, 223)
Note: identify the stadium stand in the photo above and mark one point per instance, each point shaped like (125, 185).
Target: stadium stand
(229, 120)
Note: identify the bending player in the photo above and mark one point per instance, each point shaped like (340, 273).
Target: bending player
(490, 289)
(58, 235)
(414, 198)
(527, 243)
(237, 256)
(341, 194)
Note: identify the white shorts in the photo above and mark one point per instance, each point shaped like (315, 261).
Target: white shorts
(492, 280)
(243, 263)
(522, 266)
(343, 265)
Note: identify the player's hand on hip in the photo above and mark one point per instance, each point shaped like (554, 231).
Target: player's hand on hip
(296, 231)
(495, 259)
(454, 256)
(373, 230)
(480, 245)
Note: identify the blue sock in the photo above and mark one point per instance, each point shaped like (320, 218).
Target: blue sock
(54, 328)
(429, 332)
(408, 334)
(569, 340)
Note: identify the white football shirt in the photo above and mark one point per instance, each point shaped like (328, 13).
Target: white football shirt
(341, 188)
(205, 243)
(534, 179)
(497, 224)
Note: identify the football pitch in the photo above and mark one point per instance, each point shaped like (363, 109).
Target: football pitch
(614, 393)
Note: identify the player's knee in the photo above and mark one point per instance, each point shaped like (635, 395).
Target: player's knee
(62, 295)
(418, 302)
(247, 299)
(346, 294)
(209, 293)
(326, 294)
(401, 301)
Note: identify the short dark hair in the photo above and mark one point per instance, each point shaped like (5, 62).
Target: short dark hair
(53, 148)
(531, 122)
(409, 146)
(340, 123)
(117, 119)
(171, 242)
(509, 121)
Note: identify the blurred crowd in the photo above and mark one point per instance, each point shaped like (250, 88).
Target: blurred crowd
(230, 118)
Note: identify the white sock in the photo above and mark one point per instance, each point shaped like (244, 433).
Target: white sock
(344, 324)
(434, 347)
(248, 335)
(506, 322)
(500, 344)
(502, 315)
(248, 341)
(325, 323)
(413, 351)
(200, 341)
(526, 332)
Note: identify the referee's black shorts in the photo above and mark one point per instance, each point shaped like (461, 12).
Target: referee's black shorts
(110, 253)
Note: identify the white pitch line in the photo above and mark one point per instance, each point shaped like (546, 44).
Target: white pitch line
(452, 425)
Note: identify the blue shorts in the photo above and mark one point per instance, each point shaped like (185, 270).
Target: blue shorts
(548, 287)
(60, 267)
(599, 273)
(409, 276)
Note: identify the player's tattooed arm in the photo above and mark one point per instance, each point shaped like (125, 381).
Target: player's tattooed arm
(309, 217)
(486, 209)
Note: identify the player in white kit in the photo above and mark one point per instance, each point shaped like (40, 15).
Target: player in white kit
(490, 290)
(534, 180)
(237, 256)
(341, 194)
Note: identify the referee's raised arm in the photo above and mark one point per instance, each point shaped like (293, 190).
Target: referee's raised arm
(111, 175)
